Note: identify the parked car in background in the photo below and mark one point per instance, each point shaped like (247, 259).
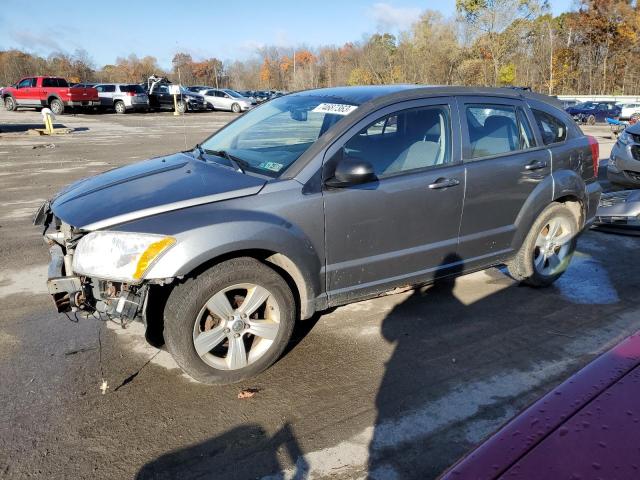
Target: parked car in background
(261, 96)
(52, 92)
(318, 199)
(161, 99)
(586, 428)
(250, 94)
(629, 110)
(225, 99)
(593, 112)
(623, 167)
(122, 97)
(198, 88)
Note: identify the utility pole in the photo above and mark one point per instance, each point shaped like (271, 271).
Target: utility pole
(294, 66)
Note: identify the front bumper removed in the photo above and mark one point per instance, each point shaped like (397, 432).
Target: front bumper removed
(79, 294)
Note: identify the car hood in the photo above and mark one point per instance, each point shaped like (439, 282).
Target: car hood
(148, 188)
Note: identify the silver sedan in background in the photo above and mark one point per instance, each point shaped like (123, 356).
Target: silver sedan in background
(226, 99)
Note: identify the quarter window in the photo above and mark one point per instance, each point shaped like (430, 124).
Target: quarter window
(553, 130)
(495, 130)
(403, 141)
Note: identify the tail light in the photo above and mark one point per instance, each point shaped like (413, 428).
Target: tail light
(131, 94)
(595, 153)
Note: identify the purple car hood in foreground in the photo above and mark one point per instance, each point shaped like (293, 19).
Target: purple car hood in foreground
(588, 427)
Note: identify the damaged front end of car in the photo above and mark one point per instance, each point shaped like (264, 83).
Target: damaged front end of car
(70, 283)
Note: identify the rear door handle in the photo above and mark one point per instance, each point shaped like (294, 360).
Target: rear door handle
(535, 165)
(444, 183)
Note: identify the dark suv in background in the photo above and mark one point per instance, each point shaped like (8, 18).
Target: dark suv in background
(318, 199)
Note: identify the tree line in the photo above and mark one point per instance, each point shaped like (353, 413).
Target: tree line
(592, 49)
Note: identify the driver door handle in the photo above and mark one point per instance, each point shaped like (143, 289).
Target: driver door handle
(535, 165)
(444, 183)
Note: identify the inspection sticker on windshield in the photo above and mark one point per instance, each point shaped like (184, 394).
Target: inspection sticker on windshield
(335, 108)
(273, 166)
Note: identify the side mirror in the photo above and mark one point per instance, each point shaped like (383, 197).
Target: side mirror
(351, 171)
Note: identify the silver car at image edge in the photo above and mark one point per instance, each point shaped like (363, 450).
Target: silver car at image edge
(623, 167)
(318, 199)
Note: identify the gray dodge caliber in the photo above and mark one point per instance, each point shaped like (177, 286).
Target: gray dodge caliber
(318, 199)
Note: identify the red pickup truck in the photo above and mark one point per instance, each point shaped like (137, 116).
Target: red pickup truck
(52, 92)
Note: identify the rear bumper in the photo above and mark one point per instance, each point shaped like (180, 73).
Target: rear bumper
(593, 192)
(82, 103)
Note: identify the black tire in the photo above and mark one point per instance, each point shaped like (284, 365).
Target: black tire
(235, 108)
(182, 106)
(56, 106)
(522, 267)
(591, 120)
(10, 104)
(188, 299)
(211, 107)
(120, 107)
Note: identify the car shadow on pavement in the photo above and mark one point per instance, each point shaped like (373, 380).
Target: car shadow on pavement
(465, 358)
(243, 452)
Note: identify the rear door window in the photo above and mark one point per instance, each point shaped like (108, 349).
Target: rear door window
(552, 129)
(493, 130)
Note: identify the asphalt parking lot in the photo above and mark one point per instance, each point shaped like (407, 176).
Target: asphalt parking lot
(396, 387)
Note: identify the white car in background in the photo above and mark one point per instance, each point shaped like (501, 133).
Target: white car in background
(226, 99)
(629, 110)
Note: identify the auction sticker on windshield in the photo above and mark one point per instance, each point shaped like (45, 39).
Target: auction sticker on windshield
(273, 166)
(335, 108)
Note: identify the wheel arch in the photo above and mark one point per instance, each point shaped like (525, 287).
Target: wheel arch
(565, 186)
(303, 291)
(52, 97)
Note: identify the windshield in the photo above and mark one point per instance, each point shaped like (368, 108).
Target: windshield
(586, 106)
(233, 93)
(271, 137)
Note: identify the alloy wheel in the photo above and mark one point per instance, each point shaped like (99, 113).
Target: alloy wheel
(236, 326)
(553, 246)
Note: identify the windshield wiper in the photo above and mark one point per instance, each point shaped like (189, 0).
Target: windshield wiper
(236, 162)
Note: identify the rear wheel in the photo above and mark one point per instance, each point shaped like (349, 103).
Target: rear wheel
(56, 106)
(120, 107)
(235, 108)
(9, 104)
(548, 248)
(230, 322)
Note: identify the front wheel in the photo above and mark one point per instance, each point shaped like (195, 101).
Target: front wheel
(9, 104)
(230, 322)
(235, 108)
(182, 107)
(591, 120)
(548, 248)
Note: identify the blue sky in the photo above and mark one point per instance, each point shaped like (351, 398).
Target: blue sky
(222, 29)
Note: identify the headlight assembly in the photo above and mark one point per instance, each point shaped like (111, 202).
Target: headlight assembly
(120, 256)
